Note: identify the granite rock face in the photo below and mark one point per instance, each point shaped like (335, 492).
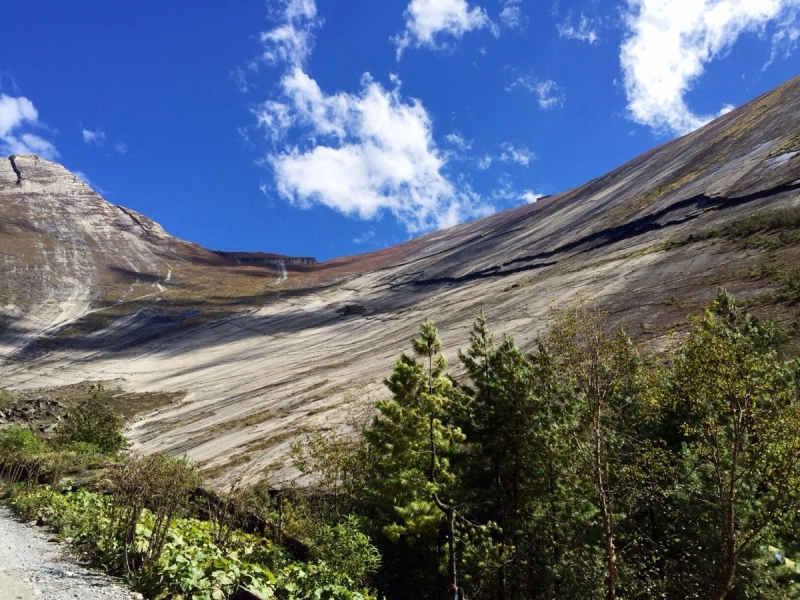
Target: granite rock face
(64, 249)
(100, 292)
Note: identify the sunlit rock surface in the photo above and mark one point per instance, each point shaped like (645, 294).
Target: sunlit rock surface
(93, 291)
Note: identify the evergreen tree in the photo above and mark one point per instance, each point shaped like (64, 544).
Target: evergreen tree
(510, 472)
(413, 440)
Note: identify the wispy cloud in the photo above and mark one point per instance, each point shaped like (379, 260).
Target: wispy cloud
(292, 40)
(121, 147)
(669, 42)
(97, 137)
(784, 41)
(239, 77)
(361, 154)
(457, 140)
(365, 237)
(507, 192)
(518, 154)
(428, 20)
(584, 31)
(548, 93)
(17, 113)
(511, 15)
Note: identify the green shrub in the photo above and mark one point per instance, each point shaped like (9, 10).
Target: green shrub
(190, 564)
(20, 439)
(158, 484)
(83, 448)
(21, 454)
(92, 422)
(347, 550)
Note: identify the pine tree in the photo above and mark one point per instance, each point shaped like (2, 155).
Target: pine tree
(413, 440)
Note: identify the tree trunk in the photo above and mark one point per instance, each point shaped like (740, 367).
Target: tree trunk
(452, 565)
(611, 554)
(605, 513)
(728, 578)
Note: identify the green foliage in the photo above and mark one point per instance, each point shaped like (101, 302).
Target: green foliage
(511, 473)
(585, 458)
(190, 564)
(788, 281)
(93, 422)
(22, 454)
(581, 470)
(20, 439)
(741, 432)
(157, 484)
(619, 466)
(345, 549)
(413, 439)
(337, 466)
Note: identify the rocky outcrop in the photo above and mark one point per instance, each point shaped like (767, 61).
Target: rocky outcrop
(41, 411)
(266, 259)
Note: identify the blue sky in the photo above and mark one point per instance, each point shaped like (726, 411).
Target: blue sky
(333, 127)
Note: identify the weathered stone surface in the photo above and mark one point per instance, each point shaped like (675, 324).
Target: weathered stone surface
(266, 354)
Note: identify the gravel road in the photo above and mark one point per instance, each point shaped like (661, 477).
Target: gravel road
(31, 567)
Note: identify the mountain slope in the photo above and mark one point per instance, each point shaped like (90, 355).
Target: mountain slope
(265, 356)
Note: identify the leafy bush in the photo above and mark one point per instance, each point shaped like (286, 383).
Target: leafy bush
(158, 484)
(20, 454)
(83, 448)
(20, 439)
(190, 564)
(346, 549)
(93, 422)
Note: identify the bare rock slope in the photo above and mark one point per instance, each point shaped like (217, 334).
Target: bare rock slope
(268, 351)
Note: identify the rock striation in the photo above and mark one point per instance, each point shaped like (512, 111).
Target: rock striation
(267, 352)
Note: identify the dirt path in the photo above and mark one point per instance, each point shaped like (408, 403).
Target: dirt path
(31, 567)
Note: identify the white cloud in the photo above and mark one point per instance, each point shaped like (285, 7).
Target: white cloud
(121, 147)
(274, 118)
(365, 237)
(14, 114)
(784, 41)
(457, 140)
(239, 77)
(362, 154)
(511, 15)
(94, 137)
(82, 176)
(670, 42)
(484, 163)
(368, 153)
(530, 196)
(427, 20)
(548, 93)
(519, 154)
(506, 191)
(291, 41)
(584, 32)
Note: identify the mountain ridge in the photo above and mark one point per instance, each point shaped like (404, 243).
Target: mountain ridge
(265, 354)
